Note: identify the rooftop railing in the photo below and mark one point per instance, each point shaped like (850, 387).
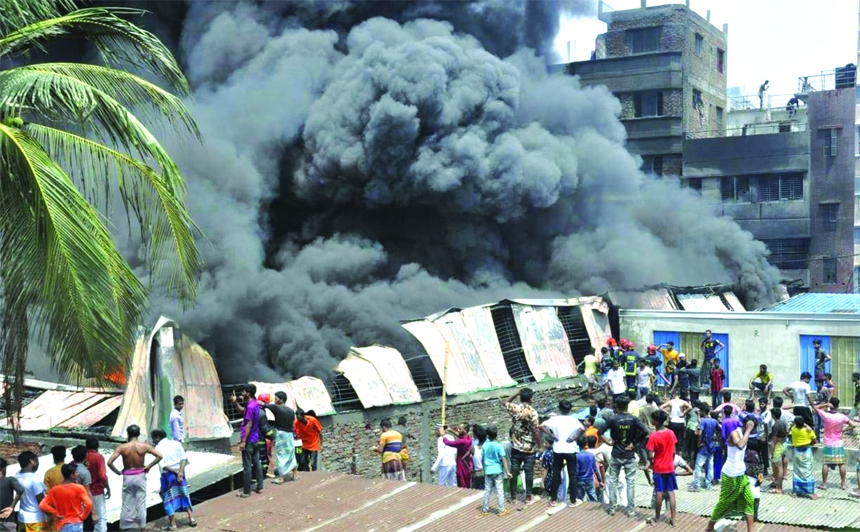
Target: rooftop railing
(839, 78)
(748, 130)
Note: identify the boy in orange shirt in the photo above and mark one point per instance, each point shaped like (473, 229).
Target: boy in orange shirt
(69, 503)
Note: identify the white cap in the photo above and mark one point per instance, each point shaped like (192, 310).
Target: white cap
(682, 355)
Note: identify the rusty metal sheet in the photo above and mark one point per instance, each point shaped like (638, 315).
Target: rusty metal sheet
(311, 394)
(464, 363)
(365, 380)
(544, 341)
(180, 367)
(654, 299)
(392, 369)
(459, 375)
(734, 302)
(54, 407)
(481, 330)
(595, 316)
(93, 414)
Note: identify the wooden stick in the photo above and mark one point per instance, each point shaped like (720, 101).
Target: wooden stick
(445, 383)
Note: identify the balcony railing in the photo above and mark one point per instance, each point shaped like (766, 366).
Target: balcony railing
(838, 78)
(748, 130)
(751, 102)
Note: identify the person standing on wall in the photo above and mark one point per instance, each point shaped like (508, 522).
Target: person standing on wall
(717, 379)
(308, 429)
(177, 421)
(670, 360)
(710, 347)
(801, 394)
(249, 436)
(525, 440)
(821, 359)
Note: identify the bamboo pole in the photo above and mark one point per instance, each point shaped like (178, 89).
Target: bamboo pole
(445, 384)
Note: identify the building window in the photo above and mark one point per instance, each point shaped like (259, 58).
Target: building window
(857, 279)
(788, 253)
(779, 187)
(643, 40)
(648, 104)
(830, 142)
(829, 214)
(857, 140)
(829, 271)
(652, 164)
(735, 189)
(700, 44)
(697, 99)
(721, 58)
(695, 184)
(857, 236)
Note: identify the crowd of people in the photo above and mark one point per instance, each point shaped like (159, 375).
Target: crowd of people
(651, 416)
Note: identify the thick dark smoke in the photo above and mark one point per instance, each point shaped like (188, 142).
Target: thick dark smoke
(360, 169)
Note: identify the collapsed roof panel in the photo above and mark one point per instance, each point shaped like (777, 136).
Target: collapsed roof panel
(311, 394)
(652, 299)
(52, 408)
(92, 415)
(702, 302)
(545, 344)
(392, 371)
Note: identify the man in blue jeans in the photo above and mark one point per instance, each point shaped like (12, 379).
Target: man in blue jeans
(250, 435)
(708, 445)
(627, 433)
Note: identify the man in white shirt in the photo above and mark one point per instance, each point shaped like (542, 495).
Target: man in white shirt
(174, 486)
(644, 379)
(29, 513)
(616, 383)
(177, 422)
(446, 462)
(801, 394)
(564, 430)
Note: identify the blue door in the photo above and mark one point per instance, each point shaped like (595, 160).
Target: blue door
(807, 356)
(723, 355)
(660, 338)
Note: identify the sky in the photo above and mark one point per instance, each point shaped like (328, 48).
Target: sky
(778, 40)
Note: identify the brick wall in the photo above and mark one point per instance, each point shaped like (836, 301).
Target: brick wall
(350, 438)
(10, 451)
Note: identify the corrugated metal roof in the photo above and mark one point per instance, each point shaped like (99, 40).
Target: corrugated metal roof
(481, 331)
(93, 414)
(654, 299)
(52, 408)
(819, 304)
(734, 302)
(702, 302)
(311, 394)
(181, 367)
(365, 380)
(334, 502)
(392, 371)
(545, 344)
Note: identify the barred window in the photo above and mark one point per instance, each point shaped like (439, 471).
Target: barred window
(788, 253)
(643, 40)
(829, 214)
(778, 187)
(735, 189)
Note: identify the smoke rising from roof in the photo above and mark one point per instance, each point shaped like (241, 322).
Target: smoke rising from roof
(360, 170)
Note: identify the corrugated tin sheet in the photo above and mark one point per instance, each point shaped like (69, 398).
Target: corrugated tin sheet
(654, 299)
(734, 302)
(93, 414)
(182, 368)
(52, 408)
(392, 369)
(545, 343)
(482, 332)
(819, 304)
(311, 394)
(701, 302)
(595, 316)
(461, 376)
(463, 358)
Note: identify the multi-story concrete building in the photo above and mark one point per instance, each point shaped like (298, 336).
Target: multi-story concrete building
(785, 176)
(857, 176)
(667, 65)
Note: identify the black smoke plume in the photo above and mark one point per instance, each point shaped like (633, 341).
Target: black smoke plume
(367, 162)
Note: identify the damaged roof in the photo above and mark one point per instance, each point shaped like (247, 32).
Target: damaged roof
(819, 304)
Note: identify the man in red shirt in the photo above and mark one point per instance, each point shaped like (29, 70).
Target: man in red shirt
(69, 503)
(661, 456)
(99, 486)
(308, 429)
(718, 376)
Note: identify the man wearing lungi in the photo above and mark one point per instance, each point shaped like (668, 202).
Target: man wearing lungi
(174, 487)
(834, 447)
(134, 470)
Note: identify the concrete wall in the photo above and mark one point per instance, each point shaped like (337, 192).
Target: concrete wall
(832, 182)
(754, 337)
(752, 154)
(349, 438)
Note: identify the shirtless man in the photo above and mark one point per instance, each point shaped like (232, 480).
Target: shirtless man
(134, 470)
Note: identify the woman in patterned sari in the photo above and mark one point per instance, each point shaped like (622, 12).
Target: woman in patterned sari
(390, 444)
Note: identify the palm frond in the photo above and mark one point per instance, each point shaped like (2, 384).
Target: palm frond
(129, 90)
(57, 254)
(17, 13)
(119, 41)
(39, 95)
(160, 212)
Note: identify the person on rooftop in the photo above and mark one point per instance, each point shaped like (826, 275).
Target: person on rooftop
(803, 439)
(308, 429)
(763, 382)
(390, 444)
(177, 421)
(134, 470)
(249, 435)
(661, 454)
(525, 439)
(565, 430)
(69, 503)
(792, 106)
(174, 486)
(285, 445)
(821, 360)
(496, 470)
(463, 444)
(801, 393)
(761, 92)
(736, 494)
(834, 447)
(627, 433)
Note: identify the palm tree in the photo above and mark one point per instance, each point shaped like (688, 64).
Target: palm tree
(69, 143)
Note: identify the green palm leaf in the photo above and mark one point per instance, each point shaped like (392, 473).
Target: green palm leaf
(69, 142)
